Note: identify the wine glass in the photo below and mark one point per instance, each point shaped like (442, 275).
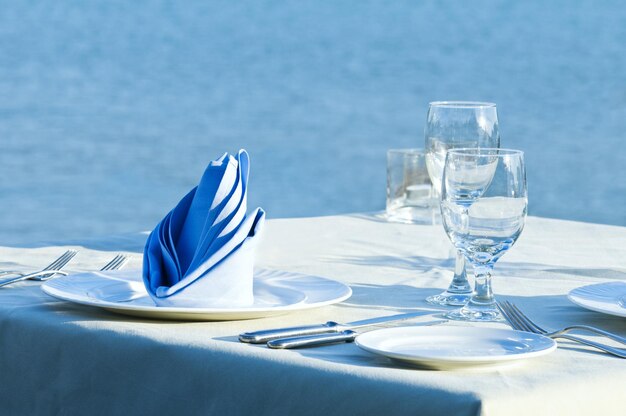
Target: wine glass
(449, 125)
(483, 208)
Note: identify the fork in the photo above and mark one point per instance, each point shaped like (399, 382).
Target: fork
(5, 272)
(521, 322)
(514, 310)
(116, 263)
(47, 272)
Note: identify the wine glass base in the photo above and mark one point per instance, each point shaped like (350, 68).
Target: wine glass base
(449, 299)
(473, 314)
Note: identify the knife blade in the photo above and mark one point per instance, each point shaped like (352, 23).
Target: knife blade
(262, 337)
(328, 338)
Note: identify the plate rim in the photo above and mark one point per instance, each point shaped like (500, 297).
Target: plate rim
(582, 302)
(440, 361)
(148, 310)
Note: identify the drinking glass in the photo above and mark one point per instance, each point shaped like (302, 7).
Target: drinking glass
(483, 208)
(450, 125)
(409, 189)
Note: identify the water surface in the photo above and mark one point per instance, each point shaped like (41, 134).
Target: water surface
(109, 111)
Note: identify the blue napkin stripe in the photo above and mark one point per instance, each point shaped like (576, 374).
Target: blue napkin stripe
(169, 262)
(198, 213)
(214, 239)
(213, 227)
(175, 226)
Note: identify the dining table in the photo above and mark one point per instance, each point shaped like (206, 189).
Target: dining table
(59, 357)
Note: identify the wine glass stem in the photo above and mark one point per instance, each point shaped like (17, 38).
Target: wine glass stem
(483, 294)
(459, 281)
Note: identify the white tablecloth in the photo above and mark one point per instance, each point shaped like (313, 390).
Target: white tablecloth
(61, 358)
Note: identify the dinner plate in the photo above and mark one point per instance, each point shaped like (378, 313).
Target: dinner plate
(452, 347)
(609, 297)
(275, 292)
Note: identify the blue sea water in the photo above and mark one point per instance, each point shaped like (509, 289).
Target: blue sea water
(110, 110)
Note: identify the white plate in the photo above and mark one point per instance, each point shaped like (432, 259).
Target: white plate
(451, 347)
(609, 297)
(275, 292)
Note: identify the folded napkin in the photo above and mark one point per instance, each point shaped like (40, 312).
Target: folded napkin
(202, 253)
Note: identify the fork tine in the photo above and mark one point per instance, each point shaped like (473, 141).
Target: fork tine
(70, 256)
(122, 260)
(61, 261)
(116, 263)
(505, 313)
(529, 322)
(515, 322)
(521, 322)
(111, 263)
(52, 265)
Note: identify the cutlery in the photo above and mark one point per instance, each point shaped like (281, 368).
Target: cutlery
(262, 337)
(116, 263)
(515, 311)
(47, 272)
(11, 272)
(328, 338)
(50, 267)
(521, 322)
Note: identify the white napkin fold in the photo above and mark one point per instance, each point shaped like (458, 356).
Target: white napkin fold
(202, 253)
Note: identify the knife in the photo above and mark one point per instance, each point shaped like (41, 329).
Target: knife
(327, 338)
(262, 337)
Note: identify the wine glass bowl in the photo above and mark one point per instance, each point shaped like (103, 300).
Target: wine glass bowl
(457, 124)
(483, 204)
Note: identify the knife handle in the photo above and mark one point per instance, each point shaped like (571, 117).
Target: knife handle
(312, 340)
(261, 337)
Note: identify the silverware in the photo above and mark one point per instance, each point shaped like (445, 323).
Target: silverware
(516, 312)
(46, 273)
(11, 272)
(116, 263)
(521, 322)
(261, 337)
(328, 338)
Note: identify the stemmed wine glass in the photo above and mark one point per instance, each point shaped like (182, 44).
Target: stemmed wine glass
(483, 208)
(449, 125)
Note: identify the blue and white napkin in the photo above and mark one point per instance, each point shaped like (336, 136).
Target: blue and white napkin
(202, 253)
